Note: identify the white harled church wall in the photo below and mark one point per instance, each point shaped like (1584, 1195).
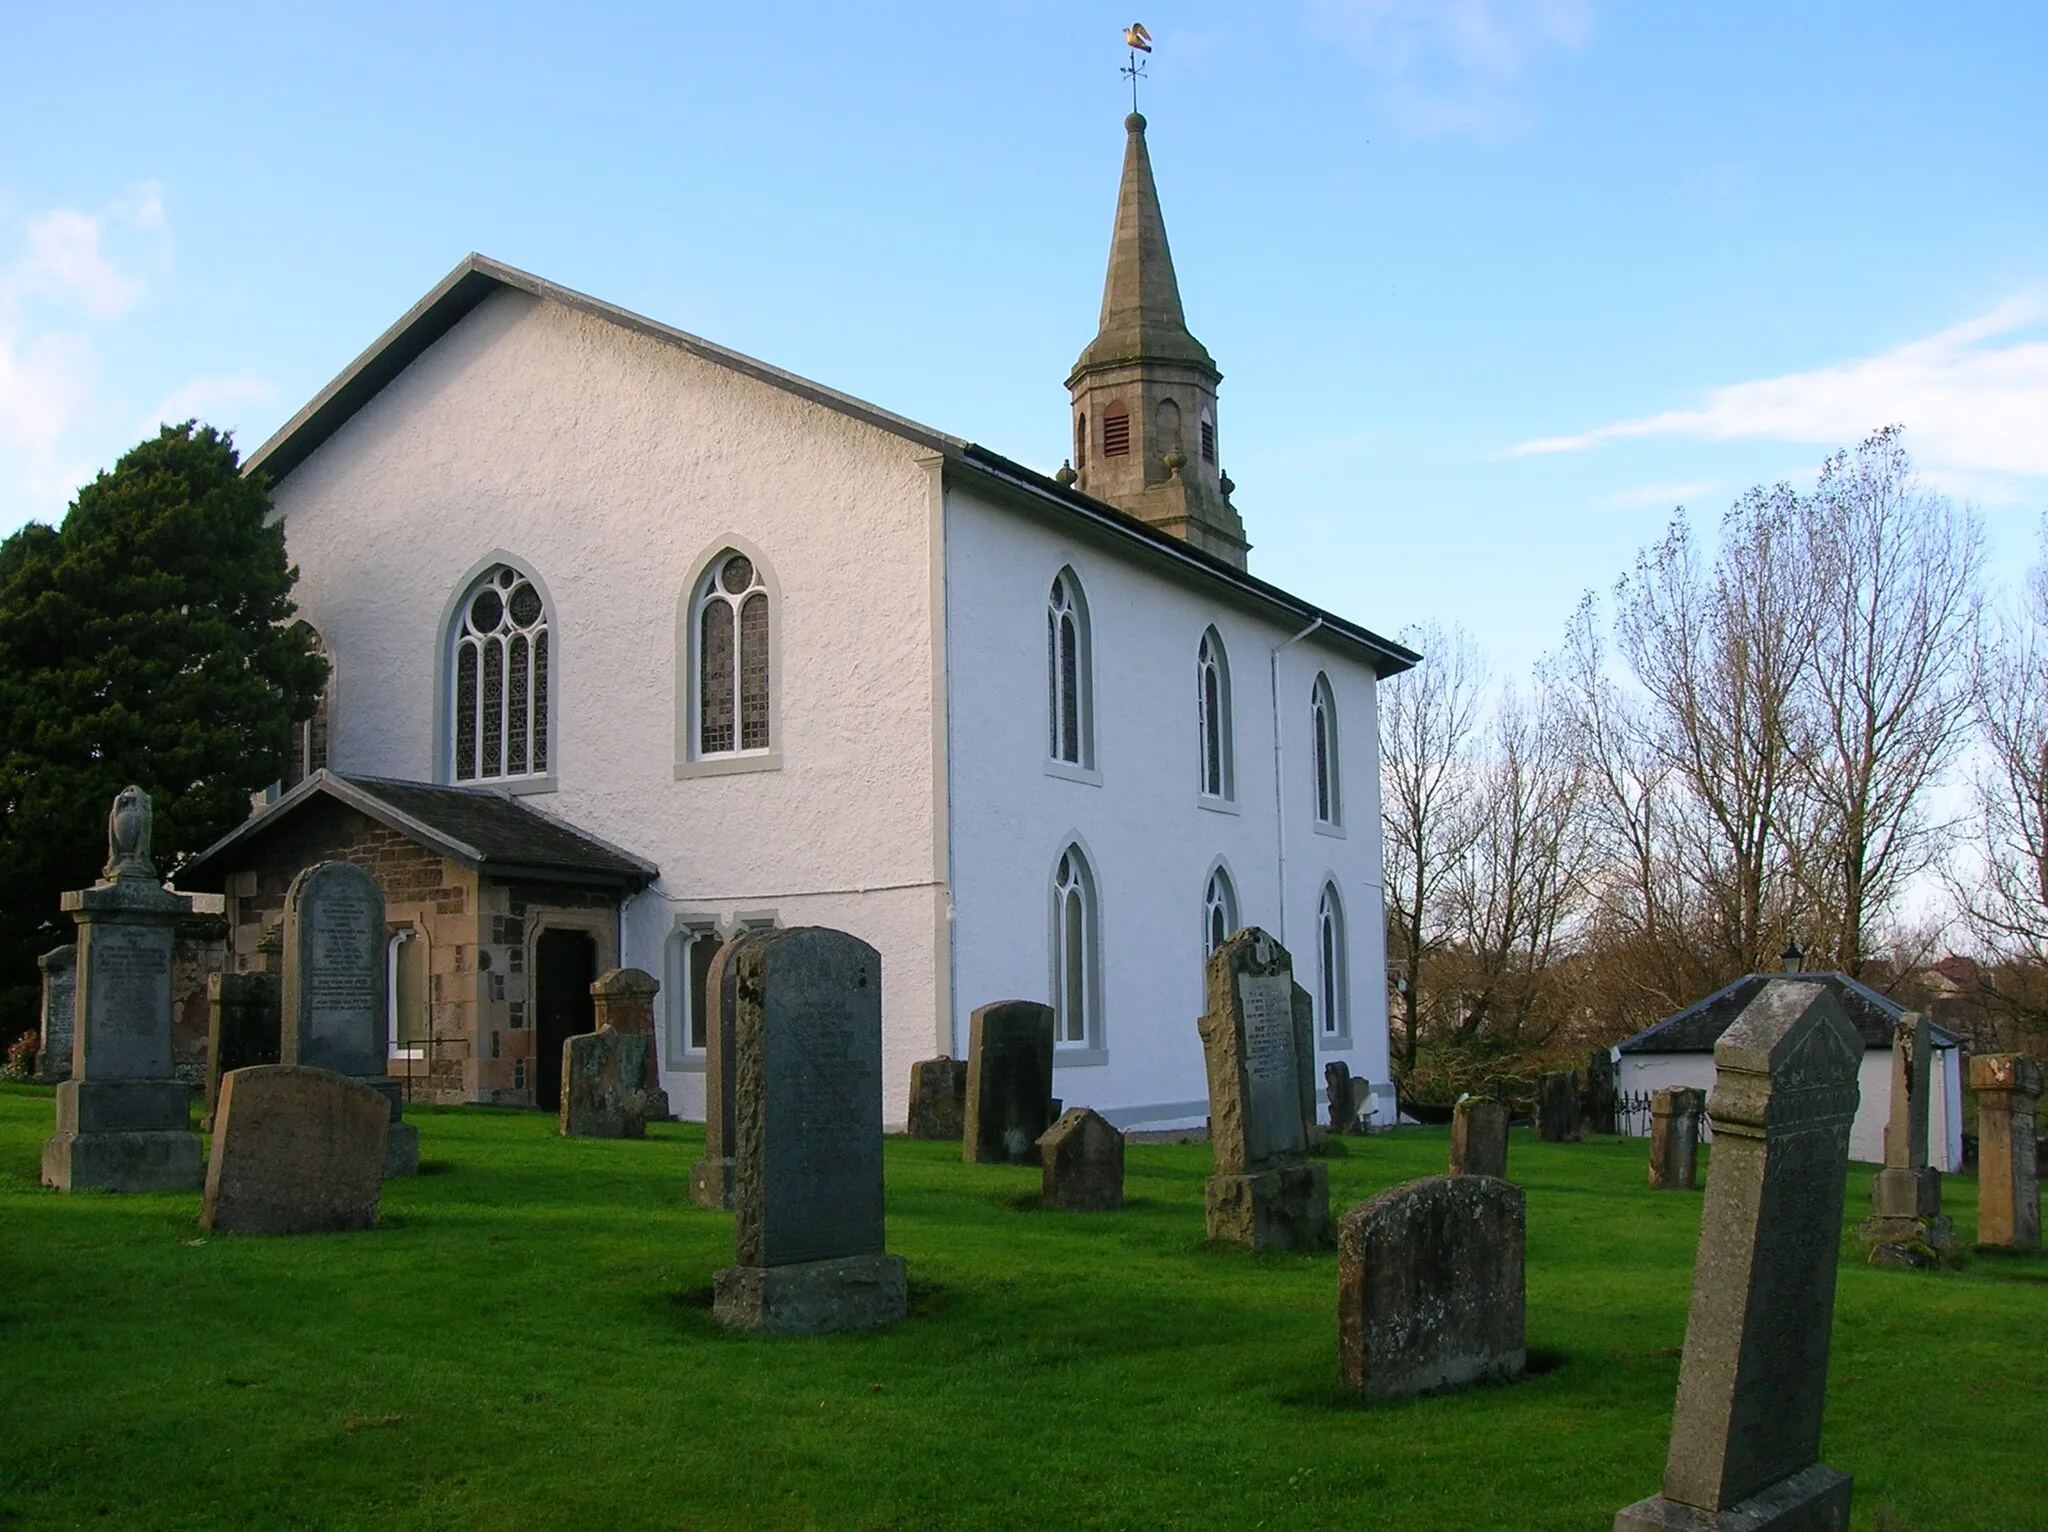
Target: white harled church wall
(611, 466)
(1150, 845)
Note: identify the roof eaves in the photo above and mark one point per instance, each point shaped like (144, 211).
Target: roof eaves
(1388, 657)
(324, 783)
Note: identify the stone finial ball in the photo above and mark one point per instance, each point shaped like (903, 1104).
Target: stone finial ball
(1134, 123)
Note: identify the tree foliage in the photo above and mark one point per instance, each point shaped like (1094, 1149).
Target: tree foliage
(148, 640)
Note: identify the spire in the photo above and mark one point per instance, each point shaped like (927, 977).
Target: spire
(1144, 390)
(1141, 312)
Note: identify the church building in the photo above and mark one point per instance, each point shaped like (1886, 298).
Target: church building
(637, 642)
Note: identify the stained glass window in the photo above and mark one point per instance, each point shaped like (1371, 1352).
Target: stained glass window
(500, 690)
(733, 668)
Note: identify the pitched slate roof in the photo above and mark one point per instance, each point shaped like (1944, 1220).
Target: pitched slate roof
(1699, 1026)
(475, 827)
(478, 277)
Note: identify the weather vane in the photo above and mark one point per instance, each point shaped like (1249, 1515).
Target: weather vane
(1140, 41)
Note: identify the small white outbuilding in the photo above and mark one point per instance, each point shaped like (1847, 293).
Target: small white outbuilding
(1679, 1051)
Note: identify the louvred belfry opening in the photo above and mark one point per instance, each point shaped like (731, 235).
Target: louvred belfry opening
(1116, 432)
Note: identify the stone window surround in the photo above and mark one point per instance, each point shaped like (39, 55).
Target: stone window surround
(689, 761)
(1327, 767)
(1215, 745)
(1333, 969)
(1070, 654)
(444, 678)
(1218, 887)
(677, 1054)
(1092, 1047)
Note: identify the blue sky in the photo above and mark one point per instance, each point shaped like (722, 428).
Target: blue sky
(1494, 285)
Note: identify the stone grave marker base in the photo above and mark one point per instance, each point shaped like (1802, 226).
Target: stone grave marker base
(1906, 1226)
(711, 1184)
(1284, 1209)
(1815, 1499)
(854, 1292)
(123, 1136)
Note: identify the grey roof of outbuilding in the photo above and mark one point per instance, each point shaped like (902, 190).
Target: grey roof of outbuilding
(478, 828)
(477, 277)
(1698, 1027)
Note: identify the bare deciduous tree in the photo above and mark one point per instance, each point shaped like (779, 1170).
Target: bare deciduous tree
(2005, 899)
(1427, 719)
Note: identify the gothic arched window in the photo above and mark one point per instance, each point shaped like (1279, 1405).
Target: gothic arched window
(1333, 994)
(1069, 683)
(1076, 953)
(499, 699)
(731, 669)
(1322, 707)
(1167, 416)
(1212, 714)
(1219, 911)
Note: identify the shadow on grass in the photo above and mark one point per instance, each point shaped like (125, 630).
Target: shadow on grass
(1337, 1398)
(435, 1167)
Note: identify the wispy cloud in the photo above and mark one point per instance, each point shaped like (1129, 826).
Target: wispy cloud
(210, 399)
(1974, 397)
(1447, 66)
(61, 288)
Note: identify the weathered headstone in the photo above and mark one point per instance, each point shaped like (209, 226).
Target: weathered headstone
(1083, 1158)
(711, 1178)
(1009, 1082)
(604, 1091)
(2008, 1162)
(336, 996)
(1429, 1286)
(1745, 1436)
(808, 1235)
(243, 1027)
(1337, 1093)
(1361, 1104)
(1479, 1138)
(1602, 1092)
(1675, 1139)
(123, 1119)
(1557, 1108)
(1305, 1066)
(1906, 1225)
(623, 999)
(295, 1151)
(60, 1012)
(1265, 1193)
(938, 1098)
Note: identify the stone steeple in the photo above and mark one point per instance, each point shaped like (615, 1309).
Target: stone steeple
(1144, 391)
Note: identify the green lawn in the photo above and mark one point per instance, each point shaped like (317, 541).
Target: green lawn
(528, 1343)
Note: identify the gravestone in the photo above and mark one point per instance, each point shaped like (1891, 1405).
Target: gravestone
(623, 999)
(1479, 1138)
(1745, 1436)
(1337, 1093)
(1361, 1104)
(123, 1119)
(336, 998)
(296, 1151)
(1906, 1225)
(1009, 1082)
(2008, 1162)
(1083, 1158)
(1675, 1139)
(244, 1014)
(1265, 1193)
(1557, 1108)
(604, 1089)
(1305, 1066)
(1429, 1286)
(711, 1178)
(938, 1098)
(60, 1011)
(808, 1236)
(1602, 1092)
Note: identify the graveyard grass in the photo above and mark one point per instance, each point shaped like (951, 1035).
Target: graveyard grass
(528, 1343)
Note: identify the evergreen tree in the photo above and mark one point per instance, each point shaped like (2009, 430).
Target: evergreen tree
(147, 640)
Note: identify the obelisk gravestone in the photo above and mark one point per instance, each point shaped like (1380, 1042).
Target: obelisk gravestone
(123, 1119)
(1745, 1436)
(335, 1000)
(807, 1112)
(1265, 1194)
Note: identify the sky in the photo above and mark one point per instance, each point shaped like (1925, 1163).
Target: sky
(1495, 285)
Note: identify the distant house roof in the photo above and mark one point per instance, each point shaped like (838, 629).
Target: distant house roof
(1698, 1027)
(478, 277)
(477, 828)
